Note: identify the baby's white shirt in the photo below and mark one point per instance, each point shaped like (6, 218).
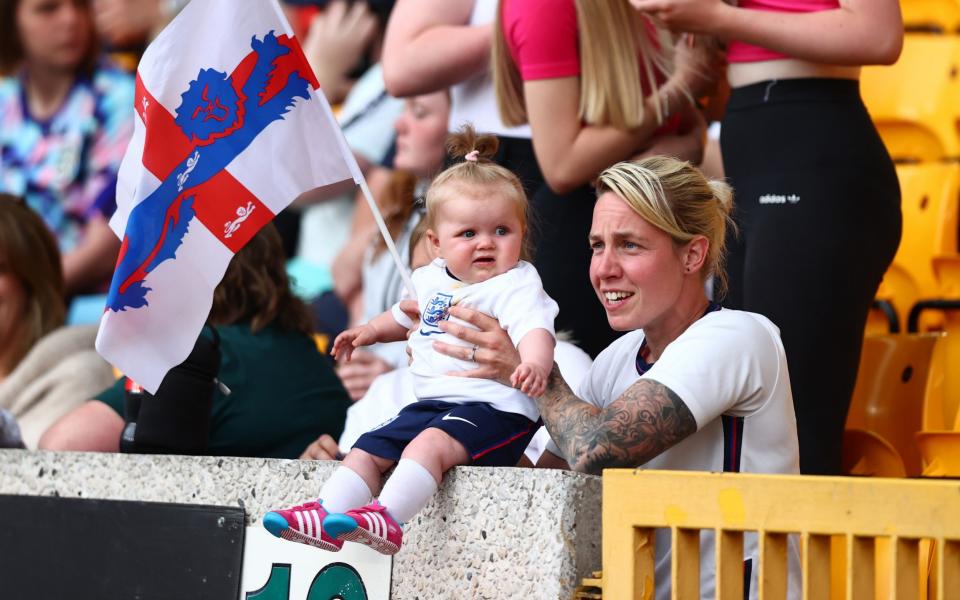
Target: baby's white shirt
(515, 298)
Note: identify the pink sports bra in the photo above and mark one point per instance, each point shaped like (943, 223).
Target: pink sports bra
(738, 51)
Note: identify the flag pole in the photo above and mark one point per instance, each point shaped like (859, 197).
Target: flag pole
(387, 238)
(358, 177)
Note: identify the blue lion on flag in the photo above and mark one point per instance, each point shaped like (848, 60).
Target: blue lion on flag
(221, 124)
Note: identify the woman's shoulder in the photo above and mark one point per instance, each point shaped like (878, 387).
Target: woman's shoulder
(735, 333)
(742, 321)
(248, 354)
(242, 334)
(521, 9)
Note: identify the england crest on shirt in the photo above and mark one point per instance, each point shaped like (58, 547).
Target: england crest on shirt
(435, 312)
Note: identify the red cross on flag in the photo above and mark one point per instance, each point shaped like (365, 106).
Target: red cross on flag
(229, 130)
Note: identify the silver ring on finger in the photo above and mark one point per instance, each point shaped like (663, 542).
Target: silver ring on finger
(473, 353)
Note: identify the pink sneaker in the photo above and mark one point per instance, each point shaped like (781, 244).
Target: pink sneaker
(371, 525)
(302, 524)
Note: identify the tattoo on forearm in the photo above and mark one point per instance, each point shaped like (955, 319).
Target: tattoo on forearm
(644, 421)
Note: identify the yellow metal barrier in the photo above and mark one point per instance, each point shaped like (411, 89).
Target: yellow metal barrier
(898, 513)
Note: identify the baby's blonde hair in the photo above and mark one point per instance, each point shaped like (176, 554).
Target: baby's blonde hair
(675, 197)
(476, 174)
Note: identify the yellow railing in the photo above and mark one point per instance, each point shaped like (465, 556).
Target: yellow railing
(869, 521)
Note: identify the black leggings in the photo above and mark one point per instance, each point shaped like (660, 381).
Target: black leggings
(818, 208)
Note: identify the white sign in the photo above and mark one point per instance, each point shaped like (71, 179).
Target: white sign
(275, 569)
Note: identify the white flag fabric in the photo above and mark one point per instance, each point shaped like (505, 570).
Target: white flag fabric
(229, 130)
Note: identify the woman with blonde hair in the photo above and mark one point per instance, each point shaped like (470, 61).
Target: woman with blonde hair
(597, 85)
(689, 385)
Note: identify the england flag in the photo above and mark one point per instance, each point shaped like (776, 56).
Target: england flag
(230, 129)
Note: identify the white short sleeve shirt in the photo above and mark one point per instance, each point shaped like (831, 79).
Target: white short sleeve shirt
(730, 370)
(515, 298)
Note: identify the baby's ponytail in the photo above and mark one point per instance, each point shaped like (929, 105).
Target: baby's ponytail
(469, 146)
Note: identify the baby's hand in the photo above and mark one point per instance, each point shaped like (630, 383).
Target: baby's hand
(529, 378)
(364, 335)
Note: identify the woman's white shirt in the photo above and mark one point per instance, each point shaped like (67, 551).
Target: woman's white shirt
(728, 362)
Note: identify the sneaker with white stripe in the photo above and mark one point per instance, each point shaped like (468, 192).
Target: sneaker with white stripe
(371, 525)
(302, 524)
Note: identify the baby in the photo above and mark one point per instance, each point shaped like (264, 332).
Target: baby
(476, 219)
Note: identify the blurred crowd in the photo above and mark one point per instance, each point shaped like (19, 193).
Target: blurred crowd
(569, 88)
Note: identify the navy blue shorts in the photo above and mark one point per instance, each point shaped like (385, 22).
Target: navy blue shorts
(493, 438)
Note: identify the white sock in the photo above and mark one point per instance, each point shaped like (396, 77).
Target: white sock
(408, 490)
(344, 490)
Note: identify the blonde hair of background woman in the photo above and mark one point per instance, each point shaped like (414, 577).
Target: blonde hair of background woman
(611, 36)
(675, 197)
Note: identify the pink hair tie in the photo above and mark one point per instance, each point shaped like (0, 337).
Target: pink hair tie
(472, 156)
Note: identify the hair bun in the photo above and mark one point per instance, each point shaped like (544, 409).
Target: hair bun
(723, 193)
(466, 140)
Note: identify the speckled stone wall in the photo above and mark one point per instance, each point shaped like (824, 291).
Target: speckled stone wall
(488, 533)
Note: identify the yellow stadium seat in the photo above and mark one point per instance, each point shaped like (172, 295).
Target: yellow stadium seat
(941, 453)
(887, 405)
(915, 102)
(946, 268)
(930, 203)
(931, 15)
(882, 318)
(942, 393)
(939, 440)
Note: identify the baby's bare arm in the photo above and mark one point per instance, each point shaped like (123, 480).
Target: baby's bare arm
(382, 328)
(536, 348)
(536, 351)
(387, 328)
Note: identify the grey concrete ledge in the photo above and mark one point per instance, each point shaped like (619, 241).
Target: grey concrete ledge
(488, 533)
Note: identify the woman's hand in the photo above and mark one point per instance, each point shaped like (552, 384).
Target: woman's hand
(491, 348)
(323, 448)
(699, 63)
(685, 146)
(855, 33)
(359, 373)
(123, 22)
(695, 16)
(336, 40)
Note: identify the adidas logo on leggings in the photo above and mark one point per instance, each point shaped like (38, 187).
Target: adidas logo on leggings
(779, 199)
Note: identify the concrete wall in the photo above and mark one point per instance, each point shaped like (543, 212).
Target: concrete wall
(488, 533)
